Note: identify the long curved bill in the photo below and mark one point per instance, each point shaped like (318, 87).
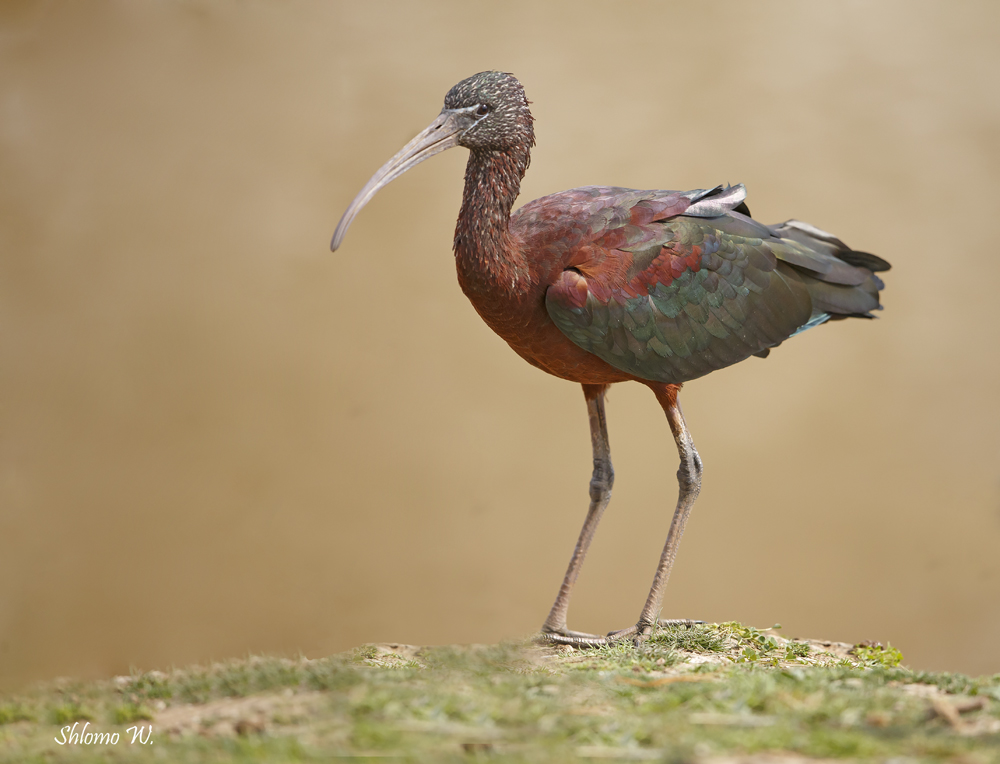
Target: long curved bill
(441, 134)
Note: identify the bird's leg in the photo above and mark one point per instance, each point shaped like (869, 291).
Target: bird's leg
(601, 481)
(689, 480)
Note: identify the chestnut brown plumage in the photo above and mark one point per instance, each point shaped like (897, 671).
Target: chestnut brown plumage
(599, 285)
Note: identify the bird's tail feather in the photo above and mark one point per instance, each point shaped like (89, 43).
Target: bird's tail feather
(841, 281)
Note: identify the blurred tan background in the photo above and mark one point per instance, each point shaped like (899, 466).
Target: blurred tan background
(218, 438)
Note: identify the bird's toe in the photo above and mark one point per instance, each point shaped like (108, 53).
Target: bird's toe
(665, 622)
(575, 638)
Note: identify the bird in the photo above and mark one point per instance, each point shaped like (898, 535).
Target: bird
(600, 285)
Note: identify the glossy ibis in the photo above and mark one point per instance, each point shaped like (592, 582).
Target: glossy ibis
(599, 285)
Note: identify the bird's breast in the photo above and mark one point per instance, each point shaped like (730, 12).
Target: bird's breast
(522, 321)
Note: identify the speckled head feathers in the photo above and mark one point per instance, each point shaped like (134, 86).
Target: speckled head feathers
(507, 124)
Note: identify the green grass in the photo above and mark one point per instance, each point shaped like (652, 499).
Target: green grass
(130, 712)
(65, 713)
(688, 693)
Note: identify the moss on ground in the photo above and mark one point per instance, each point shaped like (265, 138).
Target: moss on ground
(699, 693)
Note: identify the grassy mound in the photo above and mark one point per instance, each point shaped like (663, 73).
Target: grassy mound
(713, 692)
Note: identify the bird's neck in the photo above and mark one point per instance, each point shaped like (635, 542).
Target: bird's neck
(488, 261)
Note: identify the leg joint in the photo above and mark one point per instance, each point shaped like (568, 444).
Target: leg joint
(602, 480)
(690, 471)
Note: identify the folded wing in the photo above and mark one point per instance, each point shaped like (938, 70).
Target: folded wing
(702, 286)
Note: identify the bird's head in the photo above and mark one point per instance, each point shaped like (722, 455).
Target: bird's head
(484, 113)
(496, 103)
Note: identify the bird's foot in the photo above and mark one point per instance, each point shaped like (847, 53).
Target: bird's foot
(638, 633)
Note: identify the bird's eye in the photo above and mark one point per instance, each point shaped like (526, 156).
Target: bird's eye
(483, 110)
